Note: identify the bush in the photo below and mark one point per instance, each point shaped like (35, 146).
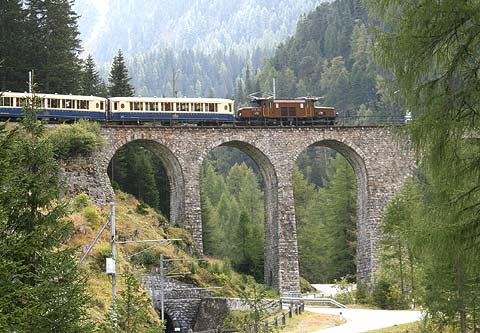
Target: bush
(305, 286)
(81, 201)
(92, 216)
(386, 295)
(79, 139)
(142, 209)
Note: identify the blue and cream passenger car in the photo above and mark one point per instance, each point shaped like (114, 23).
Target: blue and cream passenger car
(171, 110)
(55, 107)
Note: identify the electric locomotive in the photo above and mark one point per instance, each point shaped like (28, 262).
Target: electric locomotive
(300, 111)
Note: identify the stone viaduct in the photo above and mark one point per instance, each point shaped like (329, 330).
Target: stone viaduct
(381, 166)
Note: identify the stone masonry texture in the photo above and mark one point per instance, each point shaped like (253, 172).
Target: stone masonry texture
(380, 163)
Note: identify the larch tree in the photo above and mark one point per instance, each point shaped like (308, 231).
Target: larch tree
(431, 47)
(119, 81)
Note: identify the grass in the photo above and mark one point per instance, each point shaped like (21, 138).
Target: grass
(310, 322)
(133, 225)
(404, 328)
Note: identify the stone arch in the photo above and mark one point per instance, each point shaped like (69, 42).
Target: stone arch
(357, 160)
(172, 168)
(267, 170)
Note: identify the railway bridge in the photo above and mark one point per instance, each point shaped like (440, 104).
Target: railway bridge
(381, 166)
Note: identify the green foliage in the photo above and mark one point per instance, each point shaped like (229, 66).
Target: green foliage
(52, 46)
(91, 83)
(326, 219)
(232, 213)
(79, 139)
(81, 201)
(42, 288)
(119, 81)
(386, 295)
(432, 53)
(92, 216)
(139, 172)
(131, 309)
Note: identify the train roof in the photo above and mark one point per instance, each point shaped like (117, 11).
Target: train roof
(173, 99)
(41, 95)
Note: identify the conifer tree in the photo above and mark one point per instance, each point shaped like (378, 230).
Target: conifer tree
(13, 72)
(54, 45)
(119, 81)
(48, 288)
(91, 84)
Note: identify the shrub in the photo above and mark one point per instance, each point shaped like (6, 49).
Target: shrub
(142, 209)
(79, 139)
(92, 216)
(81, 201)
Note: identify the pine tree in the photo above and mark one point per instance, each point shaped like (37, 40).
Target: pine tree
(13, 72)
(91, 84)
(49, 290)
(54, 45)
(119, 81)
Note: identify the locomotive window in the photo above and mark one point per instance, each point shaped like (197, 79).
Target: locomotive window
(82, 104)
(97, 105)
(276, 105)
(301, 105)
(115, 106)
(101, 105)
(6, 101)
(122, 106)
(226, 107)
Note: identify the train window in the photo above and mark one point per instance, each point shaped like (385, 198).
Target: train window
(54, 103)
(82, 104)
(151, 106)
(197, 107)
(136, 106)
(21, 102)
(301, 105)
(276, 105)
(168, 106)
(101, 105)
(97, 105)
(230, 107)
(212, 107)
(226, 107)
(68, 104)
(6, 101)
(122, 105)
(115, 106)
(182, 106)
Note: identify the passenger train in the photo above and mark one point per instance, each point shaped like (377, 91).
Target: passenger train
(169, 111)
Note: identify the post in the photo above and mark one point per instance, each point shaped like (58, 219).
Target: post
(274, 92)
(30, 81)
(114, 279)
(161, 293)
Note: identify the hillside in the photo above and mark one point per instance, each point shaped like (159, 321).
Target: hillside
(135, 221)
(207, 43)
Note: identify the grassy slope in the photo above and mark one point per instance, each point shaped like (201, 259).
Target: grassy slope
(133, 223)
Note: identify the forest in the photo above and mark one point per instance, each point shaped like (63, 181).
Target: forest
(372, 58)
